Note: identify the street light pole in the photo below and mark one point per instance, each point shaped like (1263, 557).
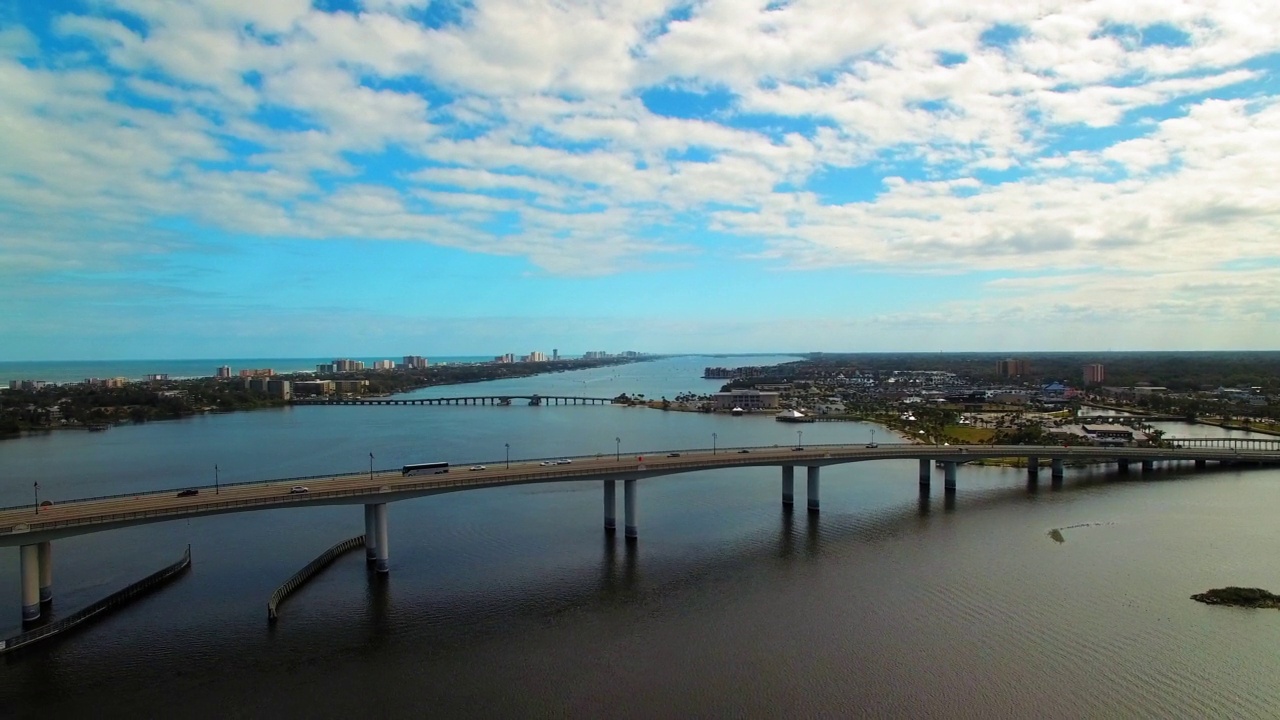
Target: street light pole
(215, 480)
(713, 443)
(799, 438)
(508, 447)
(37, 492)
(370, 467)
(617, 453)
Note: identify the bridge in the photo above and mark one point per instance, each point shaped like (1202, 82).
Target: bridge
(467, 400)
(34, 529)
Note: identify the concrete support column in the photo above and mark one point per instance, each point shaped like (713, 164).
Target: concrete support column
(1057, 469)
(788, 485)
(1200, 464)
(950, 474)
(610, 507)
(812, 494)
(1033, 467)
(380, 521)
(44, 553)
(1148, 465)
(629, 509)
(1123, 466)
(30, 559)
(926, 473)
(370, 535)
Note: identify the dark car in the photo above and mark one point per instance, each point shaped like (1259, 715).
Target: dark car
(797, 449)
(673, 454)
(743, 451)
(188, 492)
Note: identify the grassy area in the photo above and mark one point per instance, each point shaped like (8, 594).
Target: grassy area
(968, 434)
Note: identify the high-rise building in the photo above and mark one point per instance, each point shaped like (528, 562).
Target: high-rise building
(384, 365)
(1012, 367)
(555, 353)
(415, 362)
(1094, 374)
(224, 371)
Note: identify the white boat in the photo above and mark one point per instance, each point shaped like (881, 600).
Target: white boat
(737, 411)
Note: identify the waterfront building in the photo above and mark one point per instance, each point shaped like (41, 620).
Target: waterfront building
(313, 387)
(351, 387)
(555, 353)
(325, 369)
(252, 373)
(156, 377)
(534, 356)
(26, 384)
(384, 365)
(1094, 374)
(224, 371)
(749, 400)
(345, 365)
(415, 362)
(792, 416)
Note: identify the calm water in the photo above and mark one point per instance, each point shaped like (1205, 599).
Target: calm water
(511, 603)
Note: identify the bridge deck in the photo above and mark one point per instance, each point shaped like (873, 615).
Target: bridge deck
(22, 525)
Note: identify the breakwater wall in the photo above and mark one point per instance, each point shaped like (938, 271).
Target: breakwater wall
(114, 601)
(302, 576)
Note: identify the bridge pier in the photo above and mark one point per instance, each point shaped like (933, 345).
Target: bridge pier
(788, 485)
(30, 560)
(610, 508)
(926, 474)
(812, 494)
(629, 509)
(370, 535)
(1148, 466)
(949, 473)
(44, 553)
(1033, 467)
(380, 521)
(1057, 471)
(1122, 465)
(1200, 464)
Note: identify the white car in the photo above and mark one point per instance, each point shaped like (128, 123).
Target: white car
(545, 463)
(477, 467)
(564, 462)
(298, 489)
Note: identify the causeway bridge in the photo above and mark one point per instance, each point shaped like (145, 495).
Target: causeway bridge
(33, 529)
(467, 400)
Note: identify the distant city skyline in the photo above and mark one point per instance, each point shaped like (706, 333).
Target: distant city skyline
(211, 178)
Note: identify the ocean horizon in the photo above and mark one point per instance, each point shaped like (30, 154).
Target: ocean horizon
(68, 371)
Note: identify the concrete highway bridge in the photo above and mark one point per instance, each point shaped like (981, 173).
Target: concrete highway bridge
(468, 400)
(34, 532)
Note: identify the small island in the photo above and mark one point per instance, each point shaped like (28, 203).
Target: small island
(1239, 597)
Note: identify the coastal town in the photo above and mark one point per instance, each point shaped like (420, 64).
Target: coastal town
(1005, 401)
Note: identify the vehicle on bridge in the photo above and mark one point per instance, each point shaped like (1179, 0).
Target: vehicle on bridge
(431, 468)
(477, 467)
(299, 489)
(188, 492)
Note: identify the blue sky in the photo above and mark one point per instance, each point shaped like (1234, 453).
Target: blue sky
(247, 178)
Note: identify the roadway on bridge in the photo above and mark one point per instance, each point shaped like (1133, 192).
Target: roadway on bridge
(77, 515)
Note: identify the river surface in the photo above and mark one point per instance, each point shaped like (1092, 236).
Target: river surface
(512, 603)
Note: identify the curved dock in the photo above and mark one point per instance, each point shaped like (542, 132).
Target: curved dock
(114, 601)
(301, 577)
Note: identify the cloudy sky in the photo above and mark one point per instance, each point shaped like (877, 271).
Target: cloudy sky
(292, 178)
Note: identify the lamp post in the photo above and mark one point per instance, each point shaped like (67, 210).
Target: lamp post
(37, 492)
(713, 443)
(799, 438)
(370, 467)
(617, 453)
(873, 437)
(215, 480)
(508, 447)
